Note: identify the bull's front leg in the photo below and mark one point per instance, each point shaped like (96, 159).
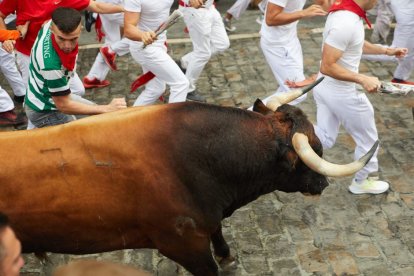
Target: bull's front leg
(222, 250)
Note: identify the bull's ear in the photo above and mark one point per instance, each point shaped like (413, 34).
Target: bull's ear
(261, 108)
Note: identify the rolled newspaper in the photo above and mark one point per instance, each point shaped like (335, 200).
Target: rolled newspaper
(172, 19)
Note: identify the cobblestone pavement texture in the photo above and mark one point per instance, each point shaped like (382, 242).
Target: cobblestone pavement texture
(336, 233)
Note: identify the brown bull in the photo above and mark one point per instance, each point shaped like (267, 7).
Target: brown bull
(157, 177)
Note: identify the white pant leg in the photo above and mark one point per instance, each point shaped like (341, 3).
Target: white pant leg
(111, 26)
(156, 59)
(286, 63)
(121, 47)
(9, 69)
(404, 37)
(383, 21)
(353, 110)
(153, 90)
(76, 85)
(23, 63)
(208, 35)
(239, 7)
(6, 103)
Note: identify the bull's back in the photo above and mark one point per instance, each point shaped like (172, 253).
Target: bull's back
(90, 181)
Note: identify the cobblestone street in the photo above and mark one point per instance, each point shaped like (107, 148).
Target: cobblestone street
(337, 233)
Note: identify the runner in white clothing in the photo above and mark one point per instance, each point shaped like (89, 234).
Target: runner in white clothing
(403, 37)
(114, 46)
(280, 43)
(142, 18)
(208, 35)
(338, 101)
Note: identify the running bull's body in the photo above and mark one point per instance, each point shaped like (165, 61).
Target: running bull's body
(159, 177)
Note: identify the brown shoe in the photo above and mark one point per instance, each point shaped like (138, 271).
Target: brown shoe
(94, 83)
(10, 118)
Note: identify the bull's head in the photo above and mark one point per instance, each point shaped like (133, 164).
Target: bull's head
(306, 145)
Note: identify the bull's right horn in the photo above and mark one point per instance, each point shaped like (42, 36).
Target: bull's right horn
(287, 97)
(316, 163)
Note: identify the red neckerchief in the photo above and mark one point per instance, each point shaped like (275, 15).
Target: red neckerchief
(68, 60)
(98, 28)
(351, 6)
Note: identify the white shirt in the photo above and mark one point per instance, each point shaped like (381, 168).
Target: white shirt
(282, 35)
(403, 11)
(344, 30)
(152, 13)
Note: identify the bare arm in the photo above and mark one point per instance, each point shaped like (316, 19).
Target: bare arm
(275, 15)
(104, 8)
(374, 49)
(68, 106)
(330, 67)
(131, 30)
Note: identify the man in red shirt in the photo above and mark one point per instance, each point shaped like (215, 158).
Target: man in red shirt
(37, 12)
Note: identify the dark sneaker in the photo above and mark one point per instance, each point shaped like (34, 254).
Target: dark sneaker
(18, 99)
(195, 97)
(10, 118)
(89, 20)
(227, 25)
(108, 57)
(394, 80)
(94, 83)
(181, 67)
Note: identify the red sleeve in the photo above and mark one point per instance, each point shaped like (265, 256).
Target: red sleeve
(8, 6)
(75, 4)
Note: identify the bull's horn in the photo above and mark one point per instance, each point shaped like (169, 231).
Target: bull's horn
(287, 97)
(319, 165)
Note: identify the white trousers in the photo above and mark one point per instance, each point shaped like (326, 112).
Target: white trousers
(111, 24)
(383, 21)
(286, 63)
(6, 103)
(403, 37)
(155, 58)
(209, 37)
(353, 110)
(9, 69)
(23, 62)
(10, 72)
(239, 7)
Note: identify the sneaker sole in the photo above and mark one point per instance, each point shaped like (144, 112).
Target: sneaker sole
(355, 192)
(90, 86)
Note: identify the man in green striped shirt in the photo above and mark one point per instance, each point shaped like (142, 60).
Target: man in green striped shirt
(48, 98)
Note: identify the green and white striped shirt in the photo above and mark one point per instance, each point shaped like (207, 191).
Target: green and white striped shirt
(47, 76)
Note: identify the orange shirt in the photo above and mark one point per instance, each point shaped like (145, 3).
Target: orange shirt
(9, 35)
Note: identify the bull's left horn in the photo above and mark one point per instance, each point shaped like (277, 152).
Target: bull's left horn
(287, 97)
(312, 160)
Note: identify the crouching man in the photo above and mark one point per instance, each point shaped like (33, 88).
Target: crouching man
(53, 57)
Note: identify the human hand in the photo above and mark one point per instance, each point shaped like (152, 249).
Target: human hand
(397, 52)
(23, 29)
(148, 37)
(313, 10)
(196, 3)
(8, 45)
(294, 84)
(117, 104)
(370, 84)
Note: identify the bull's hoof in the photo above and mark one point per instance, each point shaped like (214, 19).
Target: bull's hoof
(228, 263)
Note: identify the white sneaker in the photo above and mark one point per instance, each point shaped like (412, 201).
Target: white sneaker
(228, 26)
(371, 185)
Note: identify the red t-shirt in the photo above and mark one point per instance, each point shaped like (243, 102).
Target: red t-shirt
(37, 12)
